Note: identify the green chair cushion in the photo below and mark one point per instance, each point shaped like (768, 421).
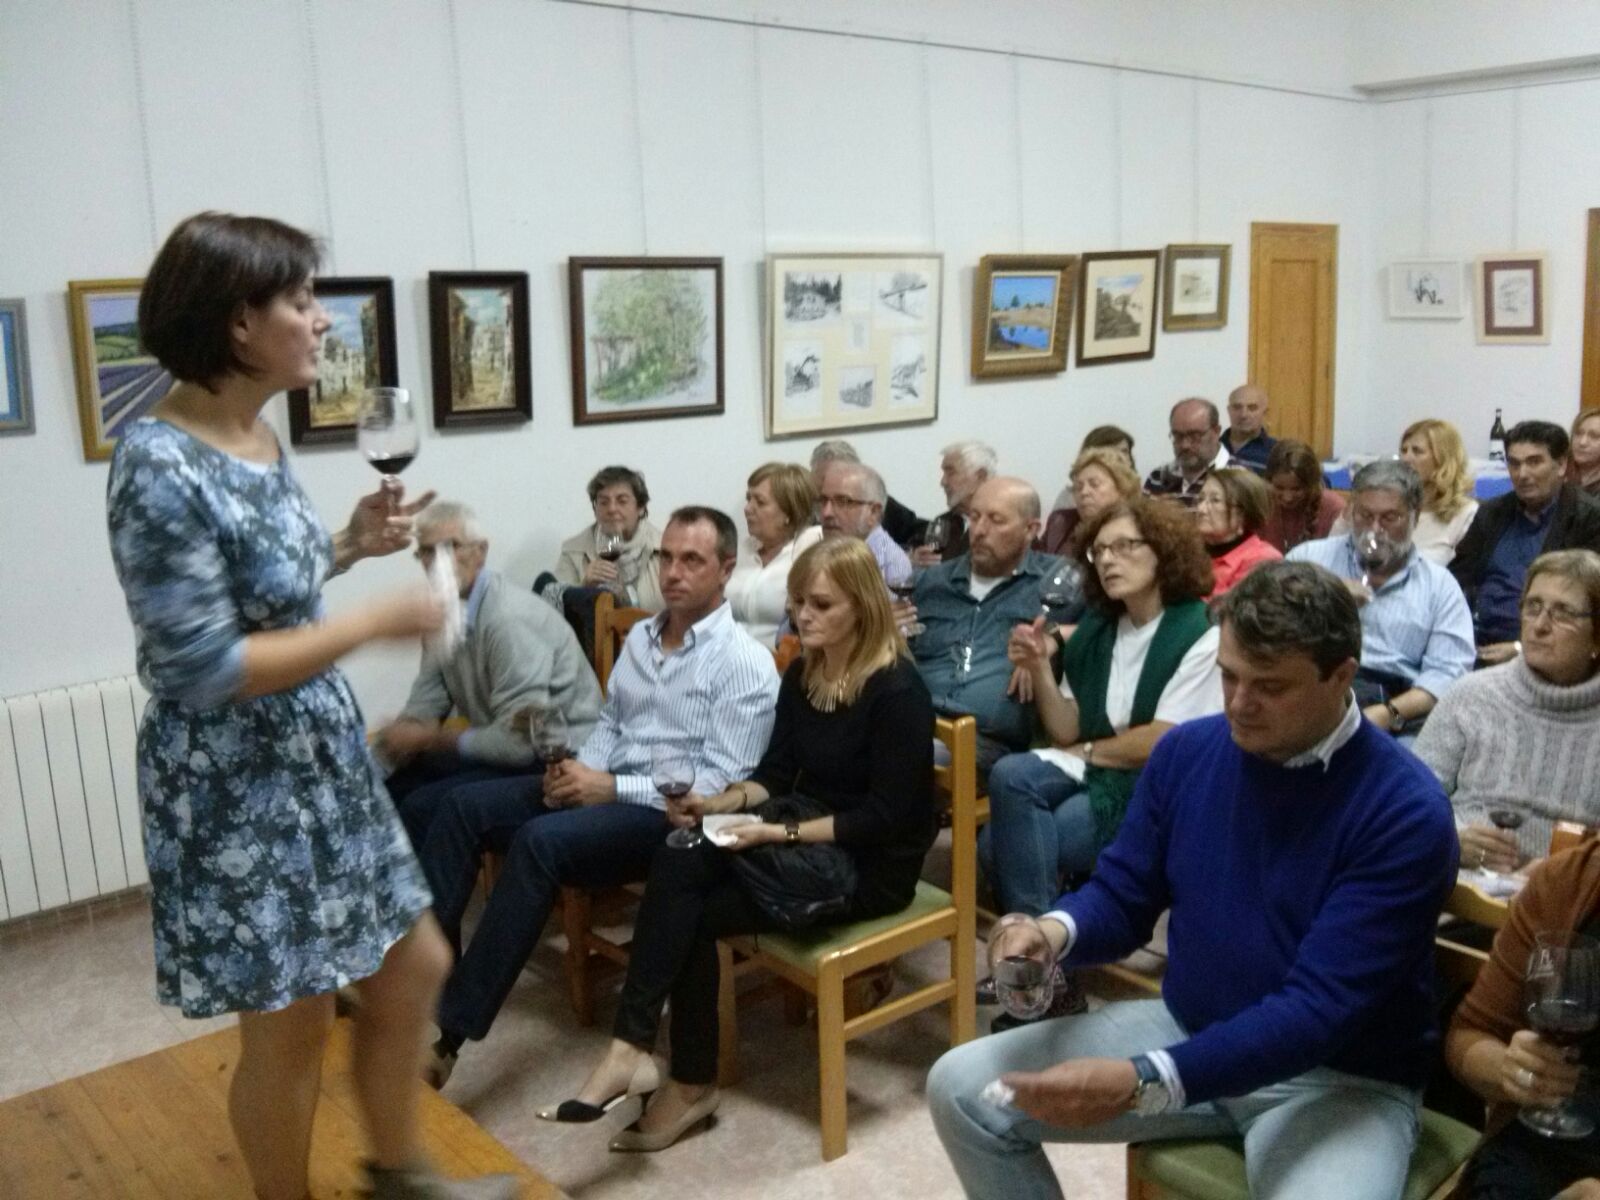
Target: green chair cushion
(809, 948)
(1213, 1168)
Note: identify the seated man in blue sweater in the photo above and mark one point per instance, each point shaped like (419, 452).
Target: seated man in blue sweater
(1304, 856)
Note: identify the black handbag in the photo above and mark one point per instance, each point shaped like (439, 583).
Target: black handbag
(798, 886)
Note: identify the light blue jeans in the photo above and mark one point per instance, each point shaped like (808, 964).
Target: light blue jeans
(1040, 827)
(1324, 1135)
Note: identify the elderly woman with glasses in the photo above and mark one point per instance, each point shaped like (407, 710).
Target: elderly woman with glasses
(1229, 514)
(1515, 745)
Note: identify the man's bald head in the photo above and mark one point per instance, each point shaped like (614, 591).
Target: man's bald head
(1005, 520)
(1247, 412)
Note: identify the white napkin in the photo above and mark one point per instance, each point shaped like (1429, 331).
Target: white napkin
(716, 826)
(442, 581)
(1491, 883)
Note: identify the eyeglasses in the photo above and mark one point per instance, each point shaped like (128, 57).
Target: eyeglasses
(1180, 436)
(1121, 548)
(841, 501)
(1559, 614)
(426, 553)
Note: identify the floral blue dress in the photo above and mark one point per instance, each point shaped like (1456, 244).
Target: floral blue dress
(278, 866)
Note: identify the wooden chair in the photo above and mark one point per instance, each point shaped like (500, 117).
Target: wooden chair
(820, 963)
(1213, 1168)
(611, 626)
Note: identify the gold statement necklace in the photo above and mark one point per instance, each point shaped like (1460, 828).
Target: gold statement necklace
(825, 697)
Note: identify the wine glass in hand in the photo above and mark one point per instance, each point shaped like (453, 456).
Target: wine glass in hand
(1561, 990)
(1507, 820)
(903, 592)
(1023, 965)
(549, 729)
(1058, 591)
(386, 429)
(672, 772)
(1370, 554)
(934, 536)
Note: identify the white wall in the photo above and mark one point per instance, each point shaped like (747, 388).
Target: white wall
(590, 130)
(1416, 39)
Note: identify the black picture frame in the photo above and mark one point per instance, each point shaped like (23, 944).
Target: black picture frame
(378, 366)
(454, 365)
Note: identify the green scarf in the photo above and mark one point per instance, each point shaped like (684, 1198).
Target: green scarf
(1086, 658)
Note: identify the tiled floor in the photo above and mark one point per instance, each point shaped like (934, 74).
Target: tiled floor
(78, 995)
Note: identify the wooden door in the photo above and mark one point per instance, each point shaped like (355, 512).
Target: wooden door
(1293, 293)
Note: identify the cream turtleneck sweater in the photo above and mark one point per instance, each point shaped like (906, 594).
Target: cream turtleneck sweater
(1507, 738)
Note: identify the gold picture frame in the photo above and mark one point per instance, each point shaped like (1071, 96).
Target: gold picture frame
(118, 381)
(1195, 292)
(1022, 314)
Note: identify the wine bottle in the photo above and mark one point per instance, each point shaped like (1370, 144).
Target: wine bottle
(1497, 439)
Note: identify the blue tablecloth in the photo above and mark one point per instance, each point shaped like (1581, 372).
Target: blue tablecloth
(1485, 487)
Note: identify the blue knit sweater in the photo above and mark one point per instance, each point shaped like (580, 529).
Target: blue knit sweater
(1303, 907)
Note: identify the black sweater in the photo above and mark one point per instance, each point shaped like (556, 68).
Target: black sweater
(871, 764)
(1574, 525)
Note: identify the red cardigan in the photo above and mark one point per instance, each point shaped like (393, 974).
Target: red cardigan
(1288, 533)
(1228, 569)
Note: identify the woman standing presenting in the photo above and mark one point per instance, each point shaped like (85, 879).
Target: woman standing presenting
(279, 871)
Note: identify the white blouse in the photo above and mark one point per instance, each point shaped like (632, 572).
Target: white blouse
(759, 595)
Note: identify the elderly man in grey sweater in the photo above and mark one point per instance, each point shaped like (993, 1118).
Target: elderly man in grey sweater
(518, 653)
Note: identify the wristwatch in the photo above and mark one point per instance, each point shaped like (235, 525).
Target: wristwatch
(1397, 720)
(791, 833)
(1150, 1095)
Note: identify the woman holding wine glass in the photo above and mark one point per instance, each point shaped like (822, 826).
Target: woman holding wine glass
(779, 512)
(1525, 1030)
(621, 549)
(1519, 739)
(844, 789)
(279, 869)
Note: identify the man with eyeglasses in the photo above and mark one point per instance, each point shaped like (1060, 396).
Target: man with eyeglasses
(517, 653)
(850, 500)
(1542, 513)
(1416, 629)
(1196, 430)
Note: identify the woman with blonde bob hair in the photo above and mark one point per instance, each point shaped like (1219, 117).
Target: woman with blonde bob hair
(1100, 477)
(841, 816)
(1433, 449)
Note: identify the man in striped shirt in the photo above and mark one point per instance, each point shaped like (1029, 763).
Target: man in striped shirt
(688, 677)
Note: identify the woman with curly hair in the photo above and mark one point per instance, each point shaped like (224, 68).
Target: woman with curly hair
(1143, 659)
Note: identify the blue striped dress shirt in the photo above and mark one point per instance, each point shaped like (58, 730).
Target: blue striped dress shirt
(716, 696)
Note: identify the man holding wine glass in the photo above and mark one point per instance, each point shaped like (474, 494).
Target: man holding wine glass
(1416, 629)
(517, 653)
(963, 469)
(689, 678)
(619, 550)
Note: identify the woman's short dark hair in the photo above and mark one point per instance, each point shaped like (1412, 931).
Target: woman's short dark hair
(1246, 495)
(611, 476)
(1110, 436)
(1183, 568)
(1301, 461)
(1540, 433)
(1293, 608)
(212, 265)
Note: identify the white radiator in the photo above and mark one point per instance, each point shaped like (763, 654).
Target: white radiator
(69, 808)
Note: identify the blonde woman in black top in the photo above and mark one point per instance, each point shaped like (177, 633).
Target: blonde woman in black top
(851, 752)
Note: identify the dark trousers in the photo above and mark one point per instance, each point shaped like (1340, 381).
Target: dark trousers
(692, 899)
(604, 845)
(419, 786)
(1518, 1164)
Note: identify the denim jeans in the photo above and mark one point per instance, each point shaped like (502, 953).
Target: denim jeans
(604, 845)
(1040, 827)
(1324, 1135)
(419, 787)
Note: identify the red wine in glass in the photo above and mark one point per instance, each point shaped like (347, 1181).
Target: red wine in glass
(672, 772)
(1561, 996)
(904, 591)
(1562, 1021)
(1506, 818)
(386, 429)
(392, 465)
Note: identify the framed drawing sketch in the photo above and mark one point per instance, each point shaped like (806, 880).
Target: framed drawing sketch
(1117, 292)
(1022, 314)
(852, 341)
(16, 387)
(478, 322)
(118, 381)
(1511, 299)
(1426, 289)
(358, 352)
(1196, 295)
(646, 338)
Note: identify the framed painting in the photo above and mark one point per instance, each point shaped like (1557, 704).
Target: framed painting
(1511, 308)
(852, 341)
(1428, 289)
(118, 380)
(1022, 314)
(1196, 295)
(478, 321)
(358, 353)
(646, 338)
(1117, 292)
(16, 387)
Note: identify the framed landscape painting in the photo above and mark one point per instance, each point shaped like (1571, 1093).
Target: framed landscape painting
(1021, 314)
(1511, 300)
(478, 322)
(358, 353)
(646, 338)
(16, 395)
(1426, 289)
(1117, 294)
(1196, 295)
(118, 380)
(852, 341)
